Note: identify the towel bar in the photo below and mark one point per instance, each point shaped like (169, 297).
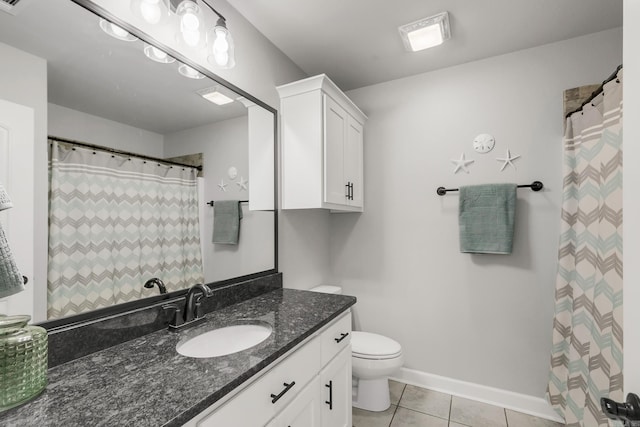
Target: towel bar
(535, 186)
(211, 203)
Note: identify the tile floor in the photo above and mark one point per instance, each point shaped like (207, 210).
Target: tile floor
(417, 407)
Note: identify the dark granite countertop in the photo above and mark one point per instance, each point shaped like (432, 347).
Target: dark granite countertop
(145, 382)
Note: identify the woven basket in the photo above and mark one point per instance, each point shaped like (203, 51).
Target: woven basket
(5, 201)
(11, 281)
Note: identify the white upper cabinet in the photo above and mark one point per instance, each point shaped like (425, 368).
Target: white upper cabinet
(322, 147)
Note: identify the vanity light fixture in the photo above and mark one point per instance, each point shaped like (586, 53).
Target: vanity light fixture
(189, 72)
(151, 11)
(114, 31)
(213, 94)
(426, 33)
(157, 55)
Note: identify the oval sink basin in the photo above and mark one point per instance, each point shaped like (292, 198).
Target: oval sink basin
(224, 341)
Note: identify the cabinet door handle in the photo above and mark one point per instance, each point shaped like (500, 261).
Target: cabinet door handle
(352, 191)
(330, 401)
(348, 192)
(342, 336)
(287, 387)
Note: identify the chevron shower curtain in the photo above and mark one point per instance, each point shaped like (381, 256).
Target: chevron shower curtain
(114, 223)
(586, 360)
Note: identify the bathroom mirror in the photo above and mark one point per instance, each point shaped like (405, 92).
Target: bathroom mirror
(104, 91)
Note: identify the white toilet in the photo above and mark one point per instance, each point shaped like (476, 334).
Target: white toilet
(374, 357)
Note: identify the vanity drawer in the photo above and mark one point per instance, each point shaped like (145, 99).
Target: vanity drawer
(335, 338)
(255, 405)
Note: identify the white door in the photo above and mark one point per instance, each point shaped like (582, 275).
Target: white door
(335, 385)
(335, 124)
(16, 175)
(353, 159)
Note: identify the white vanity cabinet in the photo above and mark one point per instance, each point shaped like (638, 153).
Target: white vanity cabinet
(308, 387)
(322, 147)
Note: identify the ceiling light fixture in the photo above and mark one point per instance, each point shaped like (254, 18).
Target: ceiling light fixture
(116, 32)
(157, 55)
(213, 94)
(426, 33)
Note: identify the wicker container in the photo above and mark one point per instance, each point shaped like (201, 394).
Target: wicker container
(23, 361)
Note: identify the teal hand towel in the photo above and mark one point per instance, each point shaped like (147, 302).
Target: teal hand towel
(226, 222)
(11, 281)
(486, 216)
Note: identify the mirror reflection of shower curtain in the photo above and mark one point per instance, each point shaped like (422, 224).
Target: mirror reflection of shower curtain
(586, 359)
(114, 223)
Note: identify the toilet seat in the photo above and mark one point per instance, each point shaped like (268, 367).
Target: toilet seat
(366, 345)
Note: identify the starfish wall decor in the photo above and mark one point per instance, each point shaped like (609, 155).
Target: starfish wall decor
(461, 164)
(508, 160)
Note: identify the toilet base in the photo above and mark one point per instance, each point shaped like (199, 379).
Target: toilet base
(371, 395)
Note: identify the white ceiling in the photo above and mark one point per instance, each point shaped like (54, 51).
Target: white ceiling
(356, 42)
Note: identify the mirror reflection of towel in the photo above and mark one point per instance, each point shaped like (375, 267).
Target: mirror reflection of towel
(486, 216)
(226, 222)
(11, 281)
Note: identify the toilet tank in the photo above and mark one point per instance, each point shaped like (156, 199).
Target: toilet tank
(327, 289)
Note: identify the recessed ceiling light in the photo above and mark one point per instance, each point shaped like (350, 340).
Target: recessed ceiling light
(426, 33)
(213, 94)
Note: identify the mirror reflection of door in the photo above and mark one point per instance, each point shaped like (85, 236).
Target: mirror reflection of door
(16, 176)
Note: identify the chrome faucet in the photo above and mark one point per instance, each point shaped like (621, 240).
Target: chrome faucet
(193, 312)
(155, 281)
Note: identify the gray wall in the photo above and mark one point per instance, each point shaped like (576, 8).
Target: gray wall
(481, 319)
(76, 125)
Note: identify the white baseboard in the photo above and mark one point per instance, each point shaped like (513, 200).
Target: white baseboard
(531, 405)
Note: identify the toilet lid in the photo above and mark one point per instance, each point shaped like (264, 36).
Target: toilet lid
(373, 346)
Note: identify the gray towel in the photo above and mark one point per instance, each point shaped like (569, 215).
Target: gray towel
(11, 281)
(486, 217)
(226, 222)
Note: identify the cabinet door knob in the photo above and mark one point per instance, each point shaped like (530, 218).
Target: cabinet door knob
(342, 336)
(330, 401)
(287, 387)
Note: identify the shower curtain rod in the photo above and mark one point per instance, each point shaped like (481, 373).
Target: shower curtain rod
(120, 152)
(596, 92)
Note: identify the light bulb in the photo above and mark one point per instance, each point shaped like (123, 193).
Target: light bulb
(150, 11)
(221, 44)
(221, 58)
(221, 50)
(190, 22)
(190, 17)
(189, 25)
